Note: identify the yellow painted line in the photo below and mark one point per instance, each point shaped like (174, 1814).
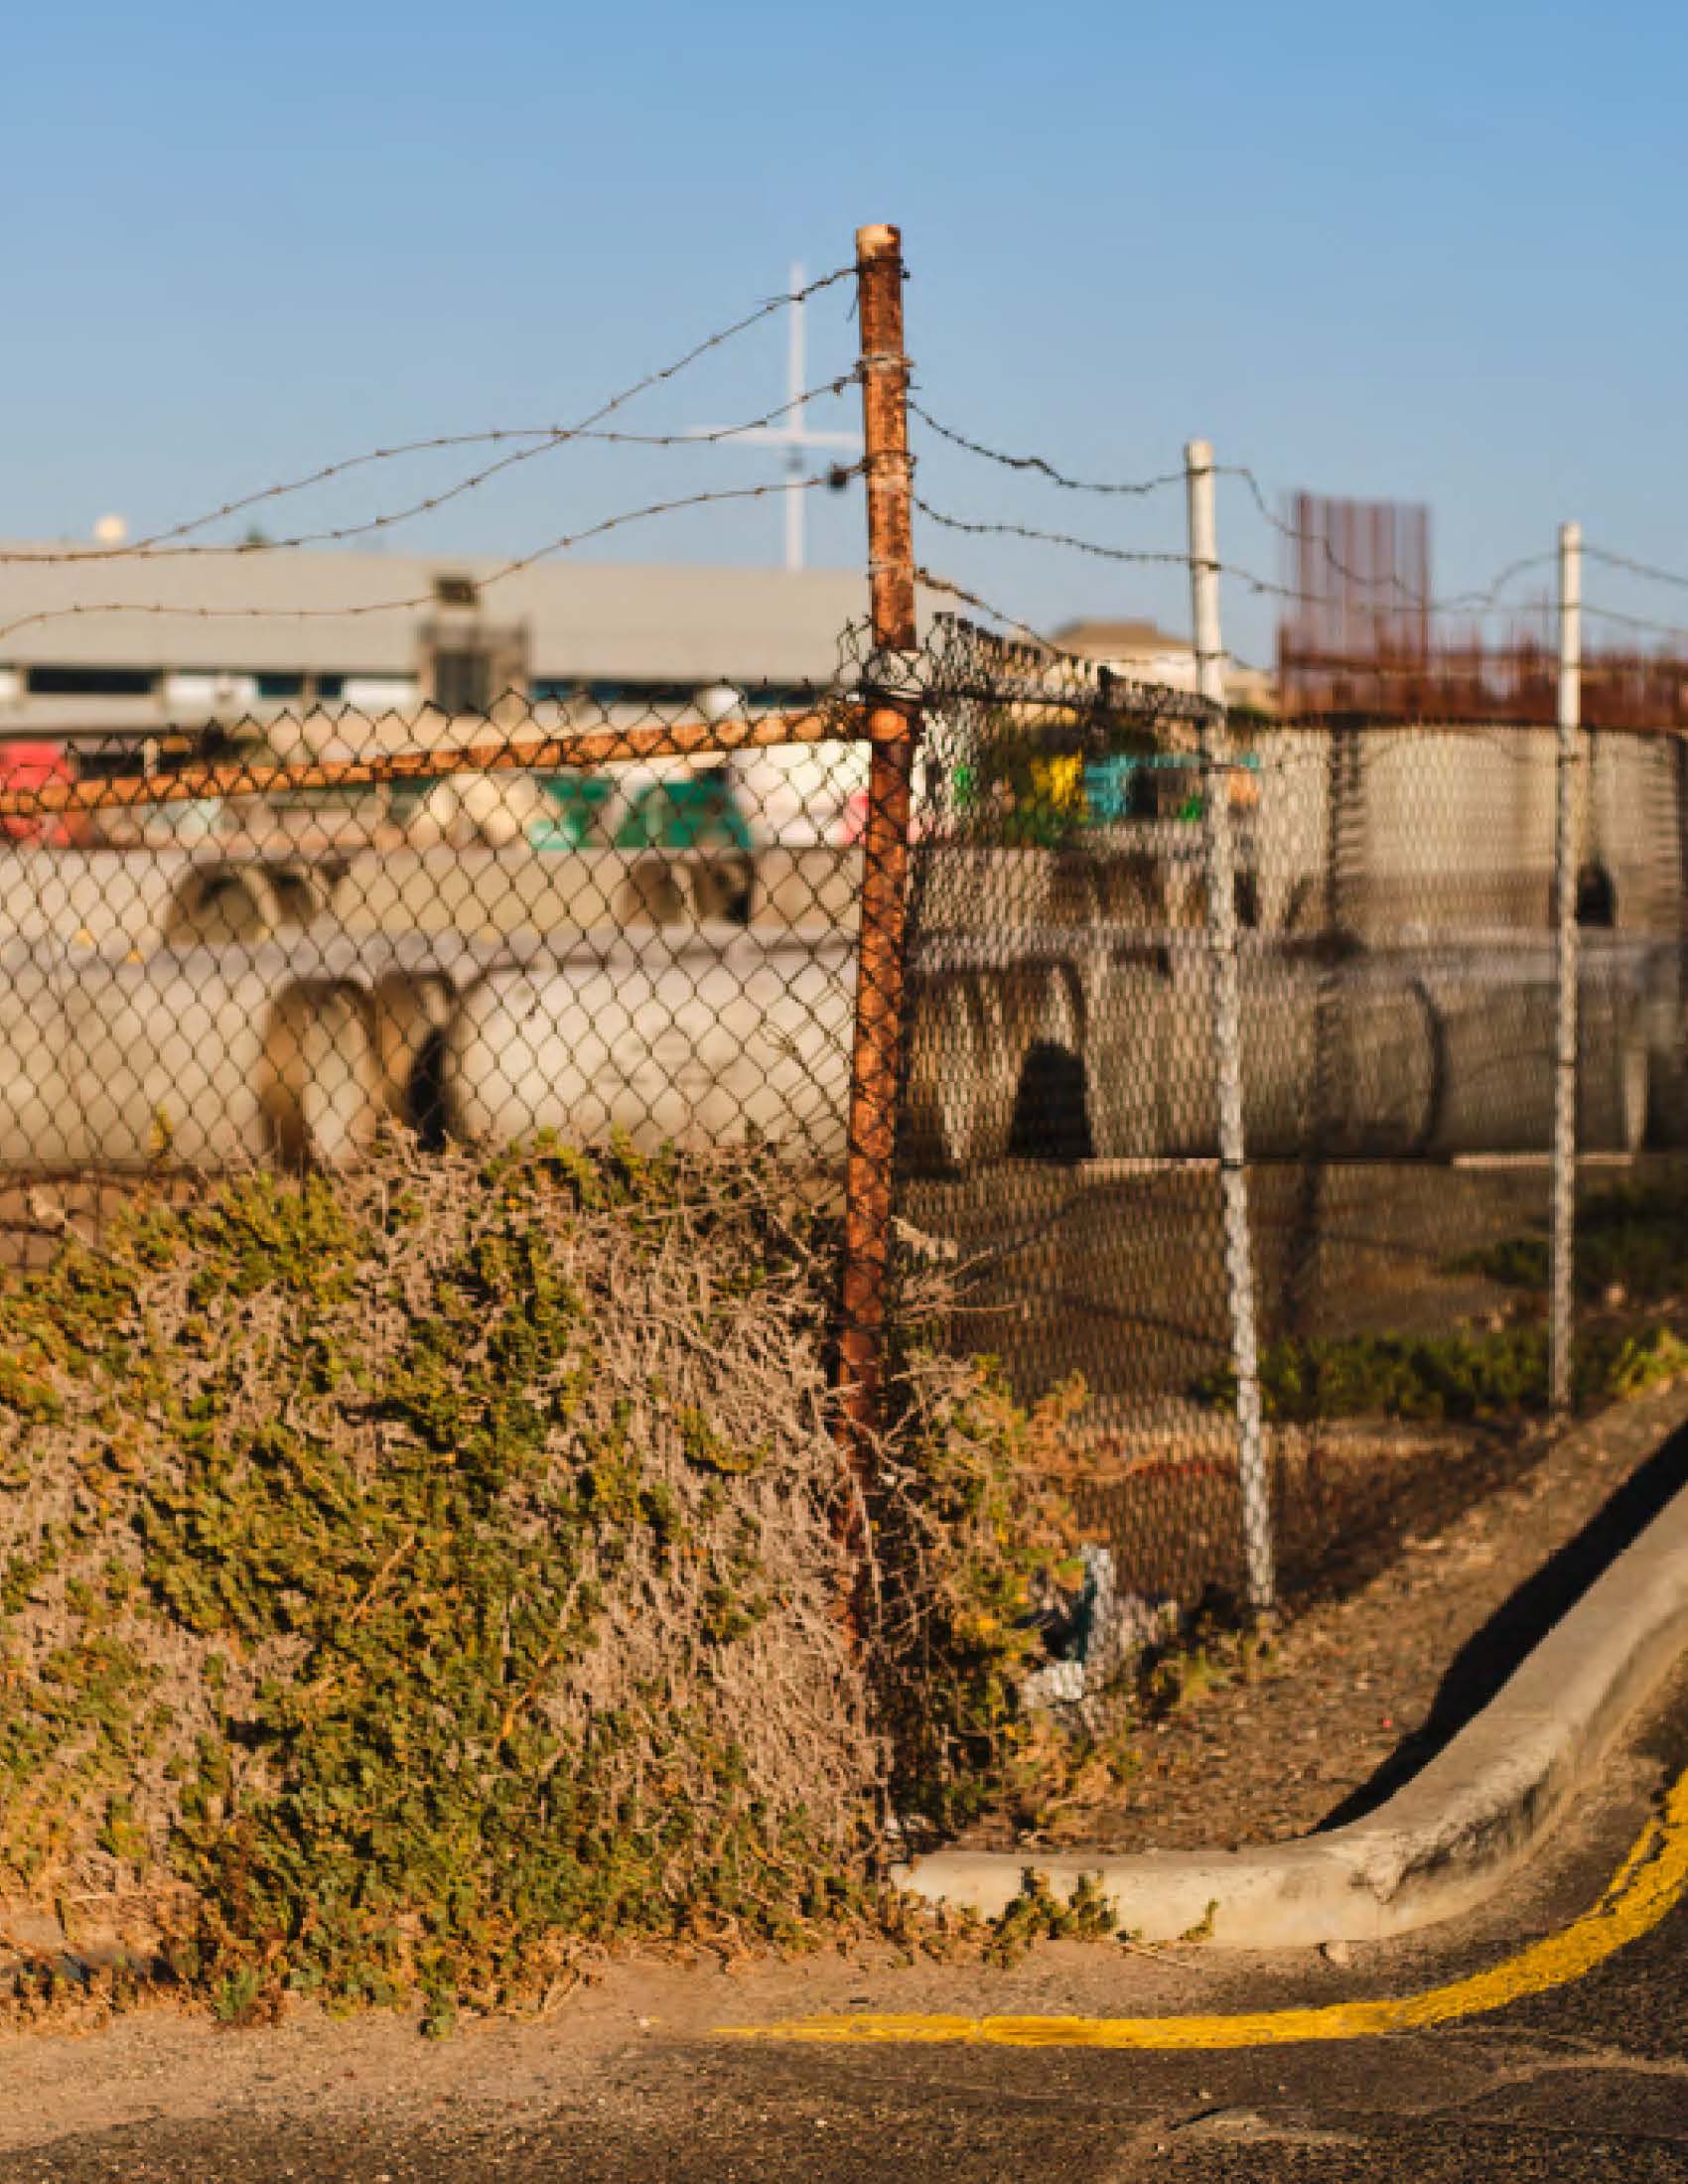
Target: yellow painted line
(1646, 1885)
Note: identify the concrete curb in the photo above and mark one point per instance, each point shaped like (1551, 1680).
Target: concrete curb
(1438, 1846)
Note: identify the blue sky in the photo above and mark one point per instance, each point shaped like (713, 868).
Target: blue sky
(1428, 252)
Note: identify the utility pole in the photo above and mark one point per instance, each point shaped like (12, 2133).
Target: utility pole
(792, 433)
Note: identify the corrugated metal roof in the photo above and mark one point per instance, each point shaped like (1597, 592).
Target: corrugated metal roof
(283, 611)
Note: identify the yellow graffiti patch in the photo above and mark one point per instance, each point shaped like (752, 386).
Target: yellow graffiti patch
(1645, 1887)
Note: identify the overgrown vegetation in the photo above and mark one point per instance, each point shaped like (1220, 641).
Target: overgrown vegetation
(1631, 1239)
(410, 1582)
(1472, 1375)
(1632, 1260)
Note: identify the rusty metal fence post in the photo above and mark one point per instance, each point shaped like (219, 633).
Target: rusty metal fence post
(893, 726)
(1258, 1557)
(1566, 860)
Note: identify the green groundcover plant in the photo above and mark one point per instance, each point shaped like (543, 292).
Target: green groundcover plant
(413, 1582)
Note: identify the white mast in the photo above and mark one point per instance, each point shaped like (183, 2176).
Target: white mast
(791, 433)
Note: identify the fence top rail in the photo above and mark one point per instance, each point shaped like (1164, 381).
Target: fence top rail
(834, 723)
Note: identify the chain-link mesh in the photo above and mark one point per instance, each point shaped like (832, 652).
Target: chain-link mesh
(1061, 1139)
(273, 942)
(270, 942)
(1395, 959)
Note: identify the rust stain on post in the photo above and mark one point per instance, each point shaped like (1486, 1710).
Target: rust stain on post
(892, 729)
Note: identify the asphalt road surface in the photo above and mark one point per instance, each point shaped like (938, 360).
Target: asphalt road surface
(634, 2080)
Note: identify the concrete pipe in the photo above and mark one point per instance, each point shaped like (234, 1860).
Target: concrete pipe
(999, 1076)
(1614, 1071)
(724, 885)
(321, 1084)
(1662, 990)
(245, 902)
(1044, 1021)
(945, 1102)
(194, 1060)
(412, 1011)
(488, 893)
(1374, 1066)
(304, 892)
(40, 1123)
(1495, 1040)
(107, 900)
(807, 886)
(1342, 1060)
(694, 1043)
(968, 887)
(1126, 1057)
(411, 982)
(215, 904)
(657, 891)
(1497, 1074)
(1077, 893)
(468, 809)
(1278, 1019)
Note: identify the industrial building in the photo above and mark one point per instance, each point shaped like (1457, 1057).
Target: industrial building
(101, 643)
(109, 645)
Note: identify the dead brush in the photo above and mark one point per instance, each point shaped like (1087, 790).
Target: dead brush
(423, 1580)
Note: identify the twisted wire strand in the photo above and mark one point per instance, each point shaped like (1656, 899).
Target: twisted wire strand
(1475, 599)
(564, 544)
(548, 436)
(1651, 570)
(1135, 487)
(547, 439)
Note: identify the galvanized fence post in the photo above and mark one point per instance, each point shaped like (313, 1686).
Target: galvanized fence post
(1566, 860)
(1228, 1026)
(892, 725)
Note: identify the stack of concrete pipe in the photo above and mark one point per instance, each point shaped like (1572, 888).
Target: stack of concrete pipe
(696, 1041)
(1388, 1056)
(1401, 1056)
(245, 900)
(215, 1057)
(204, 1059)
(492, 892)
(103, 900)
(120, 903)
(303, 1001)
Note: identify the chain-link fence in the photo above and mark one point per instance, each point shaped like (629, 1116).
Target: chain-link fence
(1399, 1005)
(275, 946)
(270, 944)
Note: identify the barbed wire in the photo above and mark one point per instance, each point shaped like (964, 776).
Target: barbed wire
(839, 475)
(553, 438)
(1674, 630)
(1475, 599)
(1251, 580)
(548, 435)
(1648, 568)
(1046, 469)
(1048, 538)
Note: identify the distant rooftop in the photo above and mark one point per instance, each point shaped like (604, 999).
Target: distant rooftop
(1119, 641)
(289, 610)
